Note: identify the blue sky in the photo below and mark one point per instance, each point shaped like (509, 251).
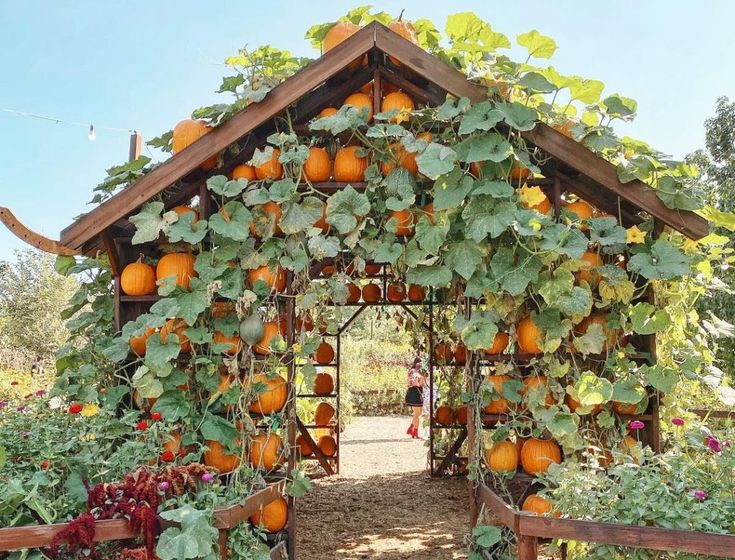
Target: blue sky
(147, 64)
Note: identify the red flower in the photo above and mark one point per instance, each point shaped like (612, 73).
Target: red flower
(156, 416)
(13, 383)
(142, 425)
(44, 464)
(167, 456)
(76, 408)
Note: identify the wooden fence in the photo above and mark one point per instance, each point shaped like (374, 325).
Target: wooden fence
(36, 536)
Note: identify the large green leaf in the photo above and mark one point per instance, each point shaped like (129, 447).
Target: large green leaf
(664, 261)
(485, 217)
(518, 116)
(646, 319)
(149, 222)
(451, 189)
(232, 221)
(464, 257)
(345, 207)
(436, 160)
(537, 45)
(187, 229)
(489, 146)
(592, 390)
(429, 275)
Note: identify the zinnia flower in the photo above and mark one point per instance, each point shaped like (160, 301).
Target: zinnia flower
(167, 456)
(90, 410)
(13, 383)
(40, 392)
(207, 477)
(3, 404)
(700, 494)
(677, 421)
(21, 408)
(636, 425)
(76, 408)
(142, 425)
(713, 444)
(163, 485)
(155, 416)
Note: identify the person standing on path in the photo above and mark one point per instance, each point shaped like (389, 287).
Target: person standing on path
(414, 396)
(37, 367)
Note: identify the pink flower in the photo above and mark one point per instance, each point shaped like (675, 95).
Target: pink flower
(677, 421)
(700, 494)
(207, 477)
(636, 425)
(713, 444)
(163, 485)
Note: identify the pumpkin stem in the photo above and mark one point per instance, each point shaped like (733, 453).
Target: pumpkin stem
(400, 16)
(140, 258)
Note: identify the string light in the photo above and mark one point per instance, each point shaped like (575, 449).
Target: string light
(91, 128)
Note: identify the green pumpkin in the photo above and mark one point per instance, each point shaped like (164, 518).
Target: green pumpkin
(252, 329)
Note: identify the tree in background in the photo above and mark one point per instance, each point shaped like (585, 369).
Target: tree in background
(717, 165)
(32, 297)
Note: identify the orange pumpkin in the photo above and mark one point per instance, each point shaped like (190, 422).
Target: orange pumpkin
(232, 341)
(354, 293)
(327, 445)
(498, 405)
(361, 102)
(266, 451)
(460, 355)
(565, 127)
(372, 269)
(398, 101)
(611, 335)
(338, 33)
(321, 223)
(543, 207)
(582, 209)
(317, 167)
(271, 330)
(371, 293)
(181, 210)
(216, 457)
(221, 309)
(270, 169)
(272, 517)
(273, 399)
(270, 213)
(328, 112)
(348, 166)
(324, 354)
(180, 265)
(324, 414)
(443, 353)
(536, 504)
(529, 336)
(591, 260)
(502, 457)
(628, 409)
(444, 415)
(396, 292)
(538, 454)
(276, 282)
(304, 446)
(535, 381)
(402, 157)
(500, 343)
(138, 279)
(137, 343)
(177, 327)
(404, 28)
(243, 171)
(404, 220)
(173, 442)
(461, 413)
(574, 404)
(323, 384)
(519, 172)
(186, 133)
(416, 293)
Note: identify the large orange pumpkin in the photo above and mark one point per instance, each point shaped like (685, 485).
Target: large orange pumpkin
(416, 293)
(536, 504)
(361, 102)
(138, 279)
(591, 260)
(273, 399)
(272, 517)
(304, 447)
(317, 167)
(582, 209)
(371, 293)
(402, 157)
(186, 133)
(444, 415)
(498, 405)
(271, 330)
(338, 33)
(404, 220)
(500, 343)
(243, 171)
(348, 166)
(502, 457)
(233, 342)
(406, 30)
(398, 101)
(270, 169)
(538, 454)
(275, 281)
(396, 292)
(324, 354)
(266, 451)
(180, 265)
(269, 213)
(177, 327)
(327, 445)
(534, 381)
(519, 172)
(529, 336)
(137, 343)
(324, 414)
(323, 384)
(216, 457)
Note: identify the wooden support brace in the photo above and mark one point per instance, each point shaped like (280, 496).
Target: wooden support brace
(323, 461)
(32, 238)
(527, 547)
(452, 453)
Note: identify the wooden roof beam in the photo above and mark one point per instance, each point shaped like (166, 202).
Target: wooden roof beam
(27, 235)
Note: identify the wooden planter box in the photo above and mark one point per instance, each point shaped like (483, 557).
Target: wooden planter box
(36, 536)
(530, 528)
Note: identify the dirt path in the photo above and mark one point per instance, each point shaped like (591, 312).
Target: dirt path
(383, 505)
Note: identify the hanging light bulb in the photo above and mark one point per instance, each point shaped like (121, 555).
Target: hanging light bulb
(91, 134)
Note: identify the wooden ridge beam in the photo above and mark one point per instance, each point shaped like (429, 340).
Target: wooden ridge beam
(24, 233)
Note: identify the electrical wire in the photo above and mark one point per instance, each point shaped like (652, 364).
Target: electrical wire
(64, 121)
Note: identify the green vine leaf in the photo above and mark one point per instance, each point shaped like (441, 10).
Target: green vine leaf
(485, 217)
(429, 275)
(232, 221)
(489, 146)
(481, 116)
(221, 185)
(436, 160)
(592, 390)
(518, 116)
(464, 258)
(537, 45)
(646, 319)
(663, 261)
(149, 223)
(345, 207)
(187, 229)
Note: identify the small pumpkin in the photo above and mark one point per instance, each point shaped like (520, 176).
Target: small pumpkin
(266, 451)
(443, 353)
(327, 445)
(233, 342)
(631, 409)
(138, 279)
(574, 405)
(535, 381)
(361, 102)
(275, 281)
(265, 217)
(519, 172)
(324, 354)
(582, 210)
(252, 329)
(178, 265)
(270, 169)
(177, 327)
(138, 343)
(221, 309)
(324, 414)
(591, 261)
(401, 157)
(371, 293)
(444, 415)
(354, 293)
(317, 167)
(273, 399)
(611, 335)
(323, 384)
(271, 332)
(187, 132)
(460, 355)
(348, 166)
(404, 222)
(416, 293)
(405, 29)
(529, 336)
(272, 517)
(565, 127)
(461, 413)
(502, 457)
(328, 112)
(304, 446)
(497, 405)
(538, 454)
(536, 504)
(216, 457)
(243, 171)
(398, 101)
(500, 343)
(372, 269)
(396, 292)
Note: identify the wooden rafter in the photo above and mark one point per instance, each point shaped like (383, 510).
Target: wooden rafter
(29, 236)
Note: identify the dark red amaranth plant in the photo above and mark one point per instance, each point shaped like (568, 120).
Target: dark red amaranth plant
(77, 536)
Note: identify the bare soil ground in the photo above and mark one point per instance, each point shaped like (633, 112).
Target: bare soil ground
(383, 505)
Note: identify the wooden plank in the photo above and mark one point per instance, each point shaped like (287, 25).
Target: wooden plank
(506, 514)
(232, 516)
(27, 235)
(705, 413)
(136, 144)
(416, 91)
(635, 536)
(527, 547)
(449, 457)
(323, 461)
(285, 94)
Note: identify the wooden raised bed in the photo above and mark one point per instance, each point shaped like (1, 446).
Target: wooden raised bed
(529, 528)
(37, 536)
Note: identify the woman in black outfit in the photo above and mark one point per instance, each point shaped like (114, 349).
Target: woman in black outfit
(415, 396)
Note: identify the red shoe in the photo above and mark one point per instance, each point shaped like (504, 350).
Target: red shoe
(410, 430)
(414, 433)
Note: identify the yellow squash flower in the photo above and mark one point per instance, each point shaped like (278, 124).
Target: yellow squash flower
(531, 196)
(635, 235)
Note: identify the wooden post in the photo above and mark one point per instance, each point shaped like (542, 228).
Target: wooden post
(136, 144)
(291, 414)
(527, 547)
(472, 364)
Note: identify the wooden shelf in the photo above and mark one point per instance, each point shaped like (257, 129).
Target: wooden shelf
(315, 396)
(315, 427)
(318, 365)
(140, 299)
